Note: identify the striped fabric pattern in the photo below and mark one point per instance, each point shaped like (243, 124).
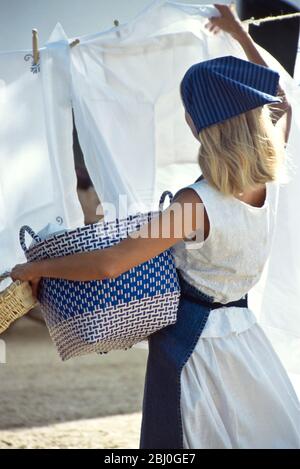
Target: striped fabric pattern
(218, 89)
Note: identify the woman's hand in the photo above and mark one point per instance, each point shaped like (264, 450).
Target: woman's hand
(27, 273)
(228, 21)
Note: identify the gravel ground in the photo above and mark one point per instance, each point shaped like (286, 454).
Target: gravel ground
(87, 402)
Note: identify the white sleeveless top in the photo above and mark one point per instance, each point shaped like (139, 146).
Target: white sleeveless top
(229, 262)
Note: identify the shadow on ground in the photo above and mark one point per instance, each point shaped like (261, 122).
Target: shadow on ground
(38, 389)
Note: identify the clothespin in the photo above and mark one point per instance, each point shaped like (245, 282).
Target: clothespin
(35, 46)
(77, 41)
(74, 43)
(117, 24)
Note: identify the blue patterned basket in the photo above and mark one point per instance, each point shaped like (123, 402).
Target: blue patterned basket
(103, 315)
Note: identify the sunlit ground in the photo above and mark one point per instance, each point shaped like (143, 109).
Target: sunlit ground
(88, 402)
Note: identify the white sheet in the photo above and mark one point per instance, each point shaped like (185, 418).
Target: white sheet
(37, 177)
(129, 117)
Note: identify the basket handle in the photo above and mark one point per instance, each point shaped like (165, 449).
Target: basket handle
(163, 197)
(4, 276)
(26, 229)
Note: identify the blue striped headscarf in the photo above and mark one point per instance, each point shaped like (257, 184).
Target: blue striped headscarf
(217, 89)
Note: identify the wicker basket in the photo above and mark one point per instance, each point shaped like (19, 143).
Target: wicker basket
(15, 301)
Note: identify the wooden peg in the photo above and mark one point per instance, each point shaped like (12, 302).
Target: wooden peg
(74, 43)
(35, 46)
(116, 24)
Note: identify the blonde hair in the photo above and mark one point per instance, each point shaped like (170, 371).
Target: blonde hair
(242, 152)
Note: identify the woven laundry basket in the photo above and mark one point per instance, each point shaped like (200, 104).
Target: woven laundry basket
(111, 314)
(15, 301)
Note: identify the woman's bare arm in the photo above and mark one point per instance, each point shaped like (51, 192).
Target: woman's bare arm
(181, 219)
(281, 113)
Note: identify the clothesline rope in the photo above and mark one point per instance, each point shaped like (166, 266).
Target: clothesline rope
(258, 21)
(252, 20)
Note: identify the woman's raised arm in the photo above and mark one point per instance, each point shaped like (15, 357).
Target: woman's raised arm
(281, 113)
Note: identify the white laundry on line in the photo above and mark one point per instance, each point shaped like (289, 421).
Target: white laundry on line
(37, 176)
(131, 127)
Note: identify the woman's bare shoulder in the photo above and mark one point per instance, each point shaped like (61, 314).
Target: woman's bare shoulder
(187, 195)
(190, 194)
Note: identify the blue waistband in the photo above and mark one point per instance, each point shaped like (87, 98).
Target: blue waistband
(195, 294)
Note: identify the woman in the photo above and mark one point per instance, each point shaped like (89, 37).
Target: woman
(213, 379)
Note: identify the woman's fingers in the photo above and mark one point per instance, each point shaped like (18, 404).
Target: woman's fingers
(17, 272)
(25, 272)
(225, 10)
(22, 272)
(212, 27)
(216, 29)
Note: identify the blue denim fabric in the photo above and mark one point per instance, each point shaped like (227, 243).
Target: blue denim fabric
(169, 350)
